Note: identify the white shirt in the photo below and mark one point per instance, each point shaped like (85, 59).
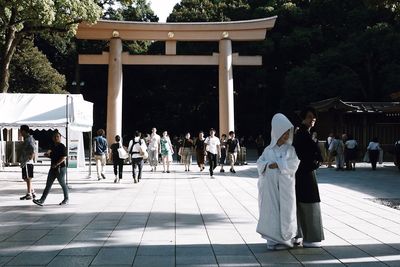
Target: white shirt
(351, 144)
(373, 146)
(154, 141)
(212, 144)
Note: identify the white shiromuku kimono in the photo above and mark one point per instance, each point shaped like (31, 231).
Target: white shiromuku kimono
(276, 187)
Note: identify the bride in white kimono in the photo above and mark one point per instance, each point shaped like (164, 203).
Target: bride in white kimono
(276, 186)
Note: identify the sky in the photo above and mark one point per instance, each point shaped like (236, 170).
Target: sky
(163, 8)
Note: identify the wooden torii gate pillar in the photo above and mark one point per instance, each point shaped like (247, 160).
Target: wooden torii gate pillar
(171, 33)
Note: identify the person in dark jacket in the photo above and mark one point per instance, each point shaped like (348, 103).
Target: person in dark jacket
(118, 163)
(307, 193)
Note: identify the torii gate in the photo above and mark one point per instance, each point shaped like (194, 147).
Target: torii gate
(171, 33)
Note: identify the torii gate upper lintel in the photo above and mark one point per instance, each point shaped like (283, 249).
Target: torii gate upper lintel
(171, 33)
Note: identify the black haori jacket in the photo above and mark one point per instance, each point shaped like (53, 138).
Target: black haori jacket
(310, 159)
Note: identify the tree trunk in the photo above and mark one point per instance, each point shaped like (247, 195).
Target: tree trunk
(12, 40)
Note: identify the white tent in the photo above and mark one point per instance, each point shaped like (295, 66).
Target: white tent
(46, 111)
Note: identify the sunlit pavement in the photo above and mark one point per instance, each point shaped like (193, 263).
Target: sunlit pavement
(188, 219)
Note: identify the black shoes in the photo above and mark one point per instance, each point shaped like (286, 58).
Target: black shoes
(38, 202)
(222, 170)
(232, 170)
(64, 202)
(103, 176)
(28, 197)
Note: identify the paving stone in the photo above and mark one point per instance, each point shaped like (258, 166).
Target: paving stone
(154, 261)
(146, 250)
(31, 258)
(81, 248)
(67, 261)
(111, 256)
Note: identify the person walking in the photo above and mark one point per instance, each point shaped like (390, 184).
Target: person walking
(58, 155)
(100, 147)
(154, 149)
(374, 148)
(233, 148)
(187, 152)
(307, 194)
(328, 156)
(260, 144)
(222, 158)
(337, 150)
(166, 151)
(136, 149)
(200, 150)
(397, 153)
(118, 163)
(351, 152)
(27, 154)
(213, 149)
(276, 187)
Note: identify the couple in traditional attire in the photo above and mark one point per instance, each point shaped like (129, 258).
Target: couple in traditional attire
(288, 191)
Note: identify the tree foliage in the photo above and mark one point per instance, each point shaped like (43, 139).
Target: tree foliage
(31, 67)
(20, 19)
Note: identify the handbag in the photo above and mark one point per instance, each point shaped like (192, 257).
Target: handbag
(122, 154)
(143, 153)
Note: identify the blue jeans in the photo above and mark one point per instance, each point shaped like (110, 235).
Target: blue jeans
(52, 175)
(137, 162)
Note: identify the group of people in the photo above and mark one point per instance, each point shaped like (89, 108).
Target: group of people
(150, 148)
(288, 195)
(345, 149)
(57, 153)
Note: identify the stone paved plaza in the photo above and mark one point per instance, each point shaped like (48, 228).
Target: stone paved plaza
(188, 219)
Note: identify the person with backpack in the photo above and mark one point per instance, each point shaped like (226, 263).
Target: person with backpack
(100, 149)
(137, 149)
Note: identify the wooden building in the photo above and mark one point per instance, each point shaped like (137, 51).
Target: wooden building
(364, 120)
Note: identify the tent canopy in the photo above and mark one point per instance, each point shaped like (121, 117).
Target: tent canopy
(46, 111)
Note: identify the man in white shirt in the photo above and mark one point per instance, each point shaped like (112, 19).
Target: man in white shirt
(213, 150)
(154, 149)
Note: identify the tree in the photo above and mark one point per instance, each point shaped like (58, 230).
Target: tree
(30, 67)
(19, 19)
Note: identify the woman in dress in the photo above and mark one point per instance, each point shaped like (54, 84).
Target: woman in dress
(200, 150)
(166, 151)
(187, 151)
